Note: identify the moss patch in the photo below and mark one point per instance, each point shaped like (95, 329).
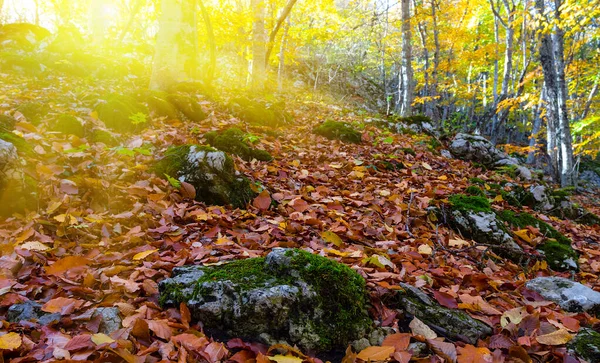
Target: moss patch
(408, 151)
(232, 141)
(338, 131)
(69, 125)
(20, 143)
(559, 256)
(33, 111)
(468, 203)
(260, 112)
(522, 220)
(475, 191)
(188, 106)
(586, 345)
(477, 181)
(120, 112)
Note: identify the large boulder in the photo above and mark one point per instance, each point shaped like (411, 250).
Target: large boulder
(23, 36)
(479, 149)
(569, 295)
(291, 295)
(473, 217)
(211, 172)
(451, 323)
(122, 113)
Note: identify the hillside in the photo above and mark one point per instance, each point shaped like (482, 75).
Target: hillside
(105, 229)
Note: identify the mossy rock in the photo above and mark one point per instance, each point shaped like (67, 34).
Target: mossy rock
(475, 191)
(7, 123)
(210, 171)
(68, 39)
(232, 141)
(23, 36)
(470, 203)
(159, 106)
(291, 295)
(557, 250)
(103, 136)
(34, 112)
(260, 112)
(334, 130)
(122, 113)
(586, 345)
(19, 196)
(188, 106)
(23, 63)
(23, 147)
(69, 125)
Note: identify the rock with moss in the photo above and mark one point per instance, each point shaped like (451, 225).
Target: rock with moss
(479, 149)
(122, 113)
(334, 130)
(450, 323)
(23, 36)
(232, 141)
(7, 123)
(557, 249)
(291, 295)
(569, 295)
(419, 124)
(210, 171)
(69, 125)
(260, 112)
(586, 345)
(475, 191)
(34, 112)
(103, 136)
(474, 218)
(188, 106)
(18, 191)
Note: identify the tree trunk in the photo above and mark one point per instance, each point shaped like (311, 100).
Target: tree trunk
(406, 95)
(281, 67)
(212, 45)
(436, 61)
(176, 55)
(137, 6)
(284, 14)
(258, 45)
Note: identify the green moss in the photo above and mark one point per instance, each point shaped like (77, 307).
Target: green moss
(103, 136)
(557, 254)
(260, 112)
(466, 203)
(7, 123)
(69, 125)
(586, 345)
(160, 107)
(232, 141)
(20, 143)
(562, 194)
(519, 197)
(173, 161)
(188, 106)
(510, 170)
(522, 220)
(409, 151)
(475, 191)
(33, 111)
(338, 131)
(477, 181)
(117, 112)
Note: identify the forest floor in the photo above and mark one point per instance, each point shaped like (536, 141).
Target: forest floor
(107, 231)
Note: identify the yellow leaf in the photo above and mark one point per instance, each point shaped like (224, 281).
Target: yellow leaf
(331, 237)
(458, 243)
(336, 165)
(498, 198)
(142, 255)
(524, 235)
(101, 338)
(427, 166)
(34, 246)
(10, 341)
(425, 249)
(286, 359)
(379, 261)
(372, 354)
(443, 177)
(558, 337)
(513, 316)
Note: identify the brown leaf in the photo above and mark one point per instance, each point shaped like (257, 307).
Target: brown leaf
(65, 264)
(472, 354)
(375, 353)
(443, 349)
(187, 190)
(190, 341)
(216, 351)
(140, 329)
(186, 316)
(262, 201)
(399, 341)
(420, 328)
(160, 328)
(558, 337)
(63, 305)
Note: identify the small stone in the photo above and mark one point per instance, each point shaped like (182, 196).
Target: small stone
(418, 349)
(27, 311)
(571, 296)
(446, 154)
(110, 320)
(49, 319)
(361, 344)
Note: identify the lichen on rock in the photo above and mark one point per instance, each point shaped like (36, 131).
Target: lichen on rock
(570, 295)
(291, 295)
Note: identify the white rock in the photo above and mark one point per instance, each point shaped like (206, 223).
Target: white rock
(571, 296)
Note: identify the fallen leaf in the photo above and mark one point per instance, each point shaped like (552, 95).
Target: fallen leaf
(399, 341)
(425, 249)
(34, 246)
(559, 337)
(514, 316)
(331, 237)
(262, 201)
(472, 354)
(102, 338)
(187, 190)
(65, 264)
(10, 341)
(370, 354)
(144, 254)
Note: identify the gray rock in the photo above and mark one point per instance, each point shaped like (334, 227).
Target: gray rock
(586, 345)
(49, 319)
(291, 295)
(211, 172)
(361, 344)
(569, 295)
(486, 228)
(27, 311)
(418, 349)
(110, 320)
(450, 323)
(590, 180)
(447, 154)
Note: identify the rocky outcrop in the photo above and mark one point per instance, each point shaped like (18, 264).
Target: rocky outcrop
(479, 149)
(569, 295)
(291, 295)
(211, 172)
(451, 323)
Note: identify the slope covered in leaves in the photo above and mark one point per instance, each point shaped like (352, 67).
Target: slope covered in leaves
(107, 230)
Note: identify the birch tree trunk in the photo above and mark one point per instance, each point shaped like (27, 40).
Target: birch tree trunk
(406, 92)
(176, 55)
(258, 45)
(212, 45)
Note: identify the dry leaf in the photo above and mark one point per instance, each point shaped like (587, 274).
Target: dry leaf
(144, 254)
(101, 338)
(331, 237)
(559, 337)
(376, 353)
(65, 264)
(10, 341)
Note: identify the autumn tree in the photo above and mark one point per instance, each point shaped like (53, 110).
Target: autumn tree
(406, 87)
(176, 54)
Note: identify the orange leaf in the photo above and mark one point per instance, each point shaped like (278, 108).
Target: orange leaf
(160, 328)
(216, 351)
(558, 337)
(65, 264)
(375, 353)
(262, 201)
(186, 316)
(187, 190)
(472, 354)
(63, 305)
(399, 341)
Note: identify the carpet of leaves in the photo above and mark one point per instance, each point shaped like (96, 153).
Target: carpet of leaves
(107, 230)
